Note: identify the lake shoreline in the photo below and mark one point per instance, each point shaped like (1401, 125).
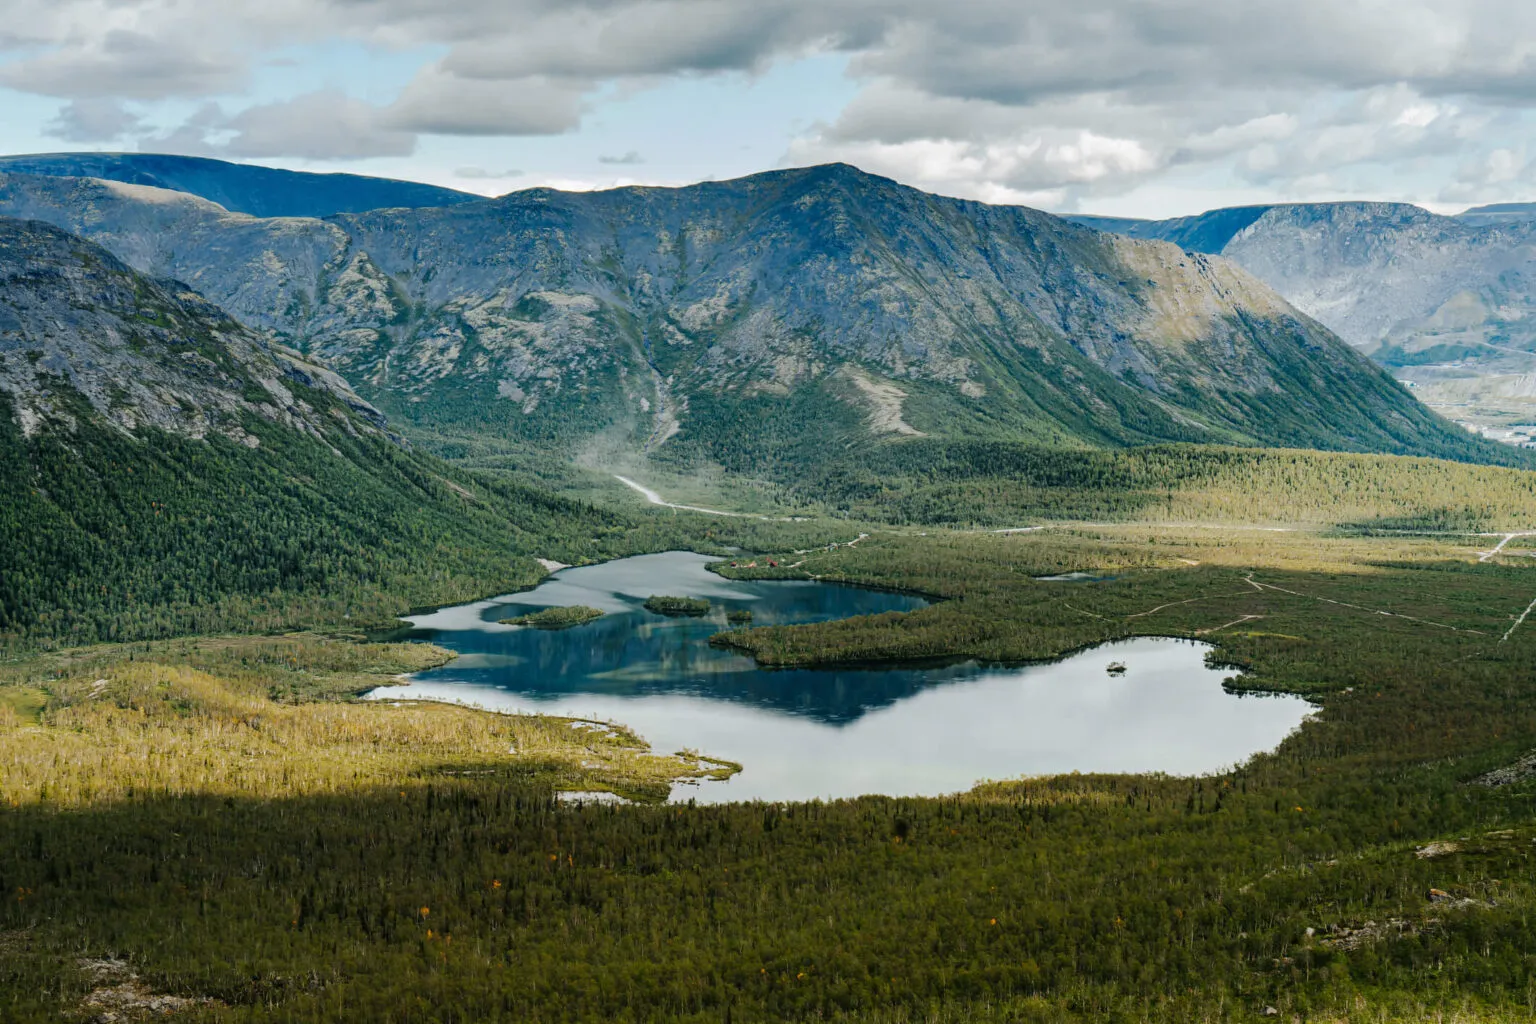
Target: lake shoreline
(375, 636)
(898, 727)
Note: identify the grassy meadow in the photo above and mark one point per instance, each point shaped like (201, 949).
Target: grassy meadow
(957, 483)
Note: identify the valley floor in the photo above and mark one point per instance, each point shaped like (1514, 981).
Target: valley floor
(213, 823)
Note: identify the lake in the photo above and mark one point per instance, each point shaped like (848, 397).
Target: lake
(807, 734)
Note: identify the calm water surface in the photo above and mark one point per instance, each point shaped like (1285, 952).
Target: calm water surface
(804, 734)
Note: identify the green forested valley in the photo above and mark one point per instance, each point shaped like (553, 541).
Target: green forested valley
(218, 805)
(108, 537)
(389, 864)
(1008, 484)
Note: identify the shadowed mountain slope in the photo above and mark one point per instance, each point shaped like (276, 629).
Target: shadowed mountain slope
(241, 188)
(1207, 232)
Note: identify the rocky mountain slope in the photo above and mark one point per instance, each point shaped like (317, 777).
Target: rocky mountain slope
(241, 188)
(164, 469)
(1449, 303)
(77, 324)
(1393, 280)
(760, 323)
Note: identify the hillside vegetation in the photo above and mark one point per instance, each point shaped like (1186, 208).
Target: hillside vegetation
(112, 538)
(330, 862)
(926, 481)
(244, 716)
(107, 537)
(164, 470)
(1446, 302)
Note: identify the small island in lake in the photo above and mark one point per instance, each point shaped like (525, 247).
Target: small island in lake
(739, 616)
(676, 605)
(555, 618)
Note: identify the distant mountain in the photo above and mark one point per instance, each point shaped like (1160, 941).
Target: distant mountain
(163, 469)
(1206, 232)
(241, 188)
(1449, 303)
(762, 323)
(1499, 213)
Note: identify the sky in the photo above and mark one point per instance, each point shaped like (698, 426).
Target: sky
(1148, 108)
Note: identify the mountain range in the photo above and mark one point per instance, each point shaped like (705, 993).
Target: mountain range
(762, 323)
(211, 418)
(1447, 303)
(241, 188)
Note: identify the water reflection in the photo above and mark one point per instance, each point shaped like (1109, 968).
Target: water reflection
(633, 652)
(808, 734)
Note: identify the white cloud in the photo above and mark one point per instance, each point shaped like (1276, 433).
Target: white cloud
(325, 125)
(481, 174)
(93, 120)
(1034, 170)
(988, 98)
(124, 64)
(329, 125)
(440, 102)
(1496, 175)
(1090, 146)
(1264, 132)
(1011, 51)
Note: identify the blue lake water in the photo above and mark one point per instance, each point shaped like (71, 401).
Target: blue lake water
(806, 734)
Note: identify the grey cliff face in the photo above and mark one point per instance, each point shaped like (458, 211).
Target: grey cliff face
(1387, 276)
(648, 311)
(77, 323)
(1447, 303)
(1383, 276)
